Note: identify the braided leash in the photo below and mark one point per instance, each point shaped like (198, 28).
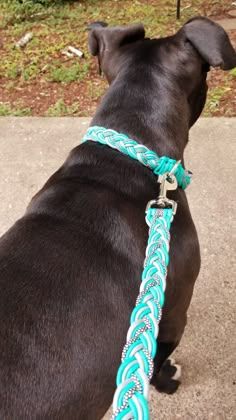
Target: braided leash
(136, 369)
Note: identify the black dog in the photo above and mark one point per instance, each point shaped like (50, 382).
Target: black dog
(70, 267)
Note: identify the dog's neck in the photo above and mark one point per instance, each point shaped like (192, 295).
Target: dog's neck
(153, 113)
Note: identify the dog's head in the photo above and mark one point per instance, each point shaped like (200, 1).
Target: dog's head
(181, 61)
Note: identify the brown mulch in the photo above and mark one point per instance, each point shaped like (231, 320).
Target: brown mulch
(40, 94)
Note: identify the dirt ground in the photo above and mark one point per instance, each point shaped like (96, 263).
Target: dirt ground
(39, 80)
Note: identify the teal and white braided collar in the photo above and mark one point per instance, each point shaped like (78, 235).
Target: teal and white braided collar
(122, 143)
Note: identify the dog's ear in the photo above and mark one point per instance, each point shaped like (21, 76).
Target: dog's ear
(101, 40)
(211, 41)
(104, 42)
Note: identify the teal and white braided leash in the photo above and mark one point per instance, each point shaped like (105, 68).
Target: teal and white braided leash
(136, 369)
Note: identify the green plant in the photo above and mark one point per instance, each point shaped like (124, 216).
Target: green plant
(214, 97)
(58, 72)
(6, 110)
(31, 71)
(20, 11)
(233, 72)
(61, 109)
(21, 112)
(12, 71)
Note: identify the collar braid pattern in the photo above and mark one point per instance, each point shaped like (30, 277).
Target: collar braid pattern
(123, 144)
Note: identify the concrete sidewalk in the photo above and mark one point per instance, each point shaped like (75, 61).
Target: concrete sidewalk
(32, 148)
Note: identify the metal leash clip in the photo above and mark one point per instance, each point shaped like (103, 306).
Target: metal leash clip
(168, 182)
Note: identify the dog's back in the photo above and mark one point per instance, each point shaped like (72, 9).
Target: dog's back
(65, 269)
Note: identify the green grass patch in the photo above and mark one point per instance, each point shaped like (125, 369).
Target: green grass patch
(213, 99)
(233, 73)
(7, 110)
(58, 72)
(96, 90)
(12, 71)
(60, 109)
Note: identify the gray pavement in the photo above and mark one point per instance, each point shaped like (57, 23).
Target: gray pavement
(32, 148)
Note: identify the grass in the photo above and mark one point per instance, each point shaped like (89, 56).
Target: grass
(96, 89)
(42, 56)
(233, 72)
(6, 110)
(61, 73)
(56, 24)
(60, 109)
(217, 94)
(214, 97)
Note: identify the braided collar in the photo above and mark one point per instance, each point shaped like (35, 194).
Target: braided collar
(122, 143)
